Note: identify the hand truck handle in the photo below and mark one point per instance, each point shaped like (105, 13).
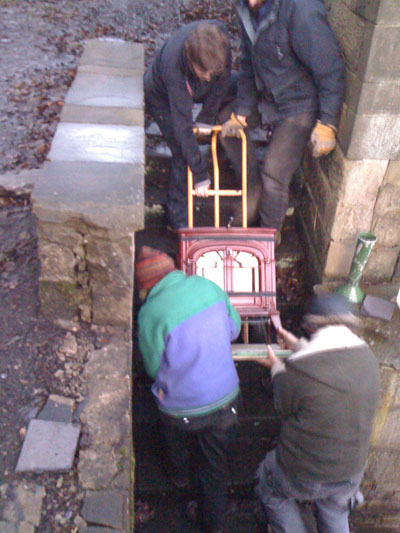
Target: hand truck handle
(217, 192)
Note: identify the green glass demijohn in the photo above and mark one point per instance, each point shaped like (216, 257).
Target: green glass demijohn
(351, 290)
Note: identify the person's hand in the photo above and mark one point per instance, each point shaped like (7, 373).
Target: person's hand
(232, 127)
(323, 139)
(286, 339)
(268, 362)
(202, 190)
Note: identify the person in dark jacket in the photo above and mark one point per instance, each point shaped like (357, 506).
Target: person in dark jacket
(326, 393)
(185, 329)
(292, 73)
(194, 65)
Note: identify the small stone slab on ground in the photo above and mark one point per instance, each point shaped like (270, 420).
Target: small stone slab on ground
(48, 446)
(20, 527)
(377, 307)
(57, 409)
(104, 507)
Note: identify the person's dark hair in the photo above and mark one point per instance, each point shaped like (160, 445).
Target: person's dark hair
(207, 47)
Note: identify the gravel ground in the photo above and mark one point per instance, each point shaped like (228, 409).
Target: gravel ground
(40, 46)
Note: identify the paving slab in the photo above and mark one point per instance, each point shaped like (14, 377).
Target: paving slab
(26, 505)
(57, 409)
(19, 527)
(48, 446)
(113, 53)
(103, 143)
(104, 90)
(104, 507)
(83, 114)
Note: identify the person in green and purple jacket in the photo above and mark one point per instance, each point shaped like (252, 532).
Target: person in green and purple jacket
(185, 328)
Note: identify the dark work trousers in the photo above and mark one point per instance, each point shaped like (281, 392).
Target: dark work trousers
(200, 449)
(282, 158)
(159, 108)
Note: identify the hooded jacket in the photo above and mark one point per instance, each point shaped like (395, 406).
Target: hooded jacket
(185, 329)
(290, 60)
(170, 83)
(327, 395)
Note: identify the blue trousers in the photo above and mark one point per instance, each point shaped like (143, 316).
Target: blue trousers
(280, 496)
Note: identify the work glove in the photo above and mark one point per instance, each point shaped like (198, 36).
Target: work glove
(232, 127)
(323, 139)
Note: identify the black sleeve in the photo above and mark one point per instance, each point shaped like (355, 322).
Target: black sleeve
(247, 90)
(314, 43)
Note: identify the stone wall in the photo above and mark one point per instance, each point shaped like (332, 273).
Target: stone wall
(357, 188)
(88, 201)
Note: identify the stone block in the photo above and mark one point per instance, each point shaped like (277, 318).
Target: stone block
(104, 508)
(392, 175)
(57, 263)
(111, 261)
(102, 115)
(350, 32)
(385, 43)
(91, 197)
(350, 219)
(361, 181)
(112, 305)
(19, 527)
(368, 98)
(387, 230)
(26, 507)
(369, 137)
(57, 409)
(103, 143)
(381, 263)
(388, 201)
(60, 234)
(104, 90)
(384, 12)
(48, 446)
(339, 257)
(59, 300)
(114, 54)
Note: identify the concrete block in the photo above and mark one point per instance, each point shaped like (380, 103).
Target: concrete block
(364, 176)
(57, 409)
(370, 137)
(102, 115)
(48, 446)
(392, 175)
(103, 143)
(115, 54)
(99, 90)
(104, 508)
(384, 12)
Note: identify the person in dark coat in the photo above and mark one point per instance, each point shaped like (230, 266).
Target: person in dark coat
(326, 393)
(292, 74)
(193, 65)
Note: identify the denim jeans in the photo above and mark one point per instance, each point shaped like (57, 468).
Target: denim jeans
(280, 496)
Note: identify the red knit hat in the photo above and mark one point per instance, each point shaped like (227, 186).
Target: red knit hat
(151, 266)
